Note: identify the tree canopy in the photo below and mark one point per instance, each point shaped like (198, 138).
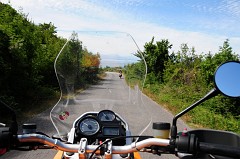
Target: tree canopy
(27, 54)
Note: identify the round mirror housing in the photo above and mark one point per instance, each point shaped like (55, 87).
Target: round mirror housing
(227, 79)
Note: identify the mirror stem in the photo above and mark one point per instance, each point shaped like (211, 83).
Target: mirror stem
(209, 95)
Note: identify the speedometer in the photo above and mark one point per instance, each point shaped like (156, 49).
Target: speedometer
(89, 126)
(106, 115)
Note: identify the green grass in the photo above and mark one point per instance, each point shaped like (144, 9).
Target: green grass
(175, 99)
(202, 116)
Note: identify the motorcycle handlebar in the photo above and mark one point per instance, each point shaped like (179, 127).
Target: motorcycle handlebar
(136, 146)
(202, 147)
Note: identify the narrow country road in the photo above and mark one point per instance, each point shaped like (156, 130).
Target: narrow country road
(44, 124)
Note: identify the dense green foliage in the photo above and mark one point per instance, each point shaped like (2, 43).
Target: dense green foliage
(155, 55)
(26, 58)
(184, 78)
(77, 66)
(27, 54)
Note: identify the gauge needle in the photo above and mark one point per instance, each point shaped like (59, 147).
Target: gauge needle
(85, 123)
(106, 117)
(89, 126)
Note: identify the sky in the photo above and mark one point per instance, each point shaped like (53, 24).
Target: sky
(202, 24)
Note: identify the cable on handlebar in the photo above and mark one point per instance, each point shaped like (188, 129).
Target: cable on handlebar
(115, 138)
(42, 134)
(99, 146)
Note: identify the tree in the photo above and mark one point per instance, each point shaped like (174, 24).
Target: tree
(27, 55)
(156, 55)
(211, 62)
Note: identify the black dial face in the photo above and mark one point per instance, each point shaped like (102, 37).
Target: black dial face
(106, 115)
(89, 126)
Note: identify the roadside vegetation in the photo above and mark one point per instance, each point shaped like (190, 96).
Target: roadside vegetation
(178, 79)
(175, 79)
(27, 54)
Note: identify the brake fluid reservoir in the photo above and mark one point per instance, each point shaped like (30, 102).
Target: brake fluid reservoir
(161, 130)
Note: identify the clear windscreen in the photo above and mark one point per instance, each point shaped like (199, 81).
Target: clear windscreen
(98, 71)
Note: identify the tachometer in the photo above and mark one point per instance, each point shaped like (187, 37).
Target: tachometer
(89, 126)
(106, 115)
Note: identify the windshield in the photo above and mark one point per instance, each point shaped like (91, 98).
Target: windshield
(98, 71)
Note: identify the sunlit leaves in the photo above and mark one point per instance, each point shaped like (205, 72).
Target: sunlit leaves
(90, 60)
(156, 55)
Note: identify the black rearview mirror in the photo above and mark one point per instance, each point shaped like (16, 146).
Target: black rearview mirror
(227, 79)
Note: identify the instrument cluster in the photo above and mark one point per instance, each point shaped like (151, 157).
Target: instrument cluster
(101, 125)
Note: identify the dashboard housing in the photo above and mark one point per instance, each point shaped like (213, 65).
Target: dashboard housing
(108, 129)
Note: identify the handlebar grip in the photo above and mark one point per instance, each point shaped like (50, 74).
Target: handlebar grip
(190, 144)
(221, 150)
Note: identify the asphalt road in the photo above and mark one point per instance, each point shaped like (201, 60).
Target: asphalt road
(112, 80)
